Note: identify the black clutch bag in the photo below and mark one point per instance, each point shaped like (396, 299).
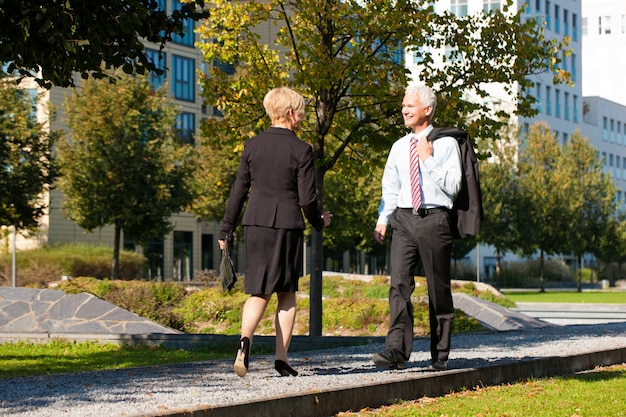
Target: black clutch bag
(227, 269)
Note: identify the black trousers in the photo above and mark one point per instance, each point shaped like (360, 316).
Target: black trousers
(430, 238)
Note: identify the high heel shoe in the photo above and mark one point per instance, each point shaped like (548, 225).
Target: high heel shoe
(284, 369)
(243, 357)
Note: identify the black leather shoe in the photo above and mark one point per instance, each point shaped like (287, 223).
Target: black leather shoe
(391, 359)
(284, 369)
(438, 366)
(243, 357)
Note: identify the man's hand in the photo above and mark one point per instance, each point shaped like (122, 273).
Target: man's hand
(379, 233)
(424, 148)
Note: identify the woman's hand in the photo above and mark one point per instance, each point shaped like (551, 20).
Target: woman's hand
(327, 216)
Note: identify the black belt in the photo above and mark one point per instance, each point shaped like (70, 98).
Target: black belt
(424, 211)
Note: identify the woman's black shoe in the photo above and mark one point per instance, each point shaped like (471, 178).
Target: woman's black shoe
(243, 357)
(284, 369)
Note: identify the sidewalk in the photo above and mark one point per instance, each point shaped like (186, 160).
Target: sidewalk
(330, 380)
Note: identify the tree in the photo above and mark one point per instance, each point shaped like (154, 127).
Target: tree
(545, 191)
(591, 200)
(123, 164)
(26, 168)
(570, 201)
(345, 57)
(504, 209)
(612, 245)
(50, 40)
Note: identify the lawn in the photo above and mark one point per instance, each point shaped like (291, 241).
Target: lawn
(590, 297)
(28, 359)
(599, 393)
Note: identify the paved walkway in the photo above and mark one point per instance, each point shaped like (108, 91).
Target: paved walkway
(46, 312)
(330, 381)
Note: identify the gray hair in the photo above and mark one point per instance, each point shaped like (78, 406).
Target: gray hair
(426, 95)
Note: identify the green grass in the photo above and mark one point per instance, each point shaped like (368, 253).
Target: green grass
(28, 359)
(598, 393)
(591, 297)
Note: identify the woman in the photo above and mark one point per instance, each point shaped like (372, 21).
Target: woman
(277, 169)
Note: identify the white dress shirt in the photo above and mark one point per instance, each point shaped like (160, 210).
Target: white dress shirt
(441, 175)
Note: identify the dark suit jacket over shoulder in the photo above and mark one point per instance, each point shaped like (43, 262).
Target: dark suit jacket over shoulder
(277, 171)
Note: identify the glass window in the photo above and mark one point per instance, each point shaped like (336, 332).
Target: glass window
(547, 14)
(186, 127)
(188, 36)
(538, 97)
(604, 25)
(490, 6)
(557, 102)
(612, 131)
(566, 105)
(458, 7)
(155, 254)
(159, 61)
(183, 75)
(548, 101)
(207, 252)
(565, 23)
(575, 111)
(183, 261)
(573, 65)
(575, 27)
(605, 128)
(557, 19)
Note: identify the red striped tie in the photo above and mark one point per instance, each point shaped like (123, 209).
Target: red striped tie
(416, 188)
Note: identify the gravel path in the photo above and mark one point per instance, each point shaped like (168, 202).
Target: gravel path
(158, 389)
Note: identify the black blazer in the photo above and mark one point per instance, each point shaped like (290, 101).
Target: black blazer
(467, 212)
(278, 171)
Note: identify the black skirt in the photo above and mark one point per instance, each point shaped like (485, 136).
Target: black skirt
(273, 259)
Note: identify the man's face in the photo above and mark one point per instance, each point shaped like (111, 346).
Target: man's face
(415, 115)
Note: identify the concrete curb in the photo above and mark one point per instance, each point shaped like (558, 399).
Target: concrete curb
(194, 341)
(328, 402)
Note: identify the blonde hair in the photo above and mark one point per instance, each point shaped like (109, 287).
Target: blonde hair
(279, 101)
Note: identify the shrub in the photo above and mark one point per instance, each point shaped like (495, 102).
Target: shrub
(463, 271)
(527, 273)
(210, 310)
(39, 267)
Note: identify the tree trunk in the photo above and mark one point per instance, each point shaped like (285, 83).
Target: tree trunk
(115, 270)
(498, 268)
(579, 281)
(542, 279)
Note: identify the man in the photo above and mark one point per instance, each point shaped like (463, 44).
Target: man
(420, 182)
